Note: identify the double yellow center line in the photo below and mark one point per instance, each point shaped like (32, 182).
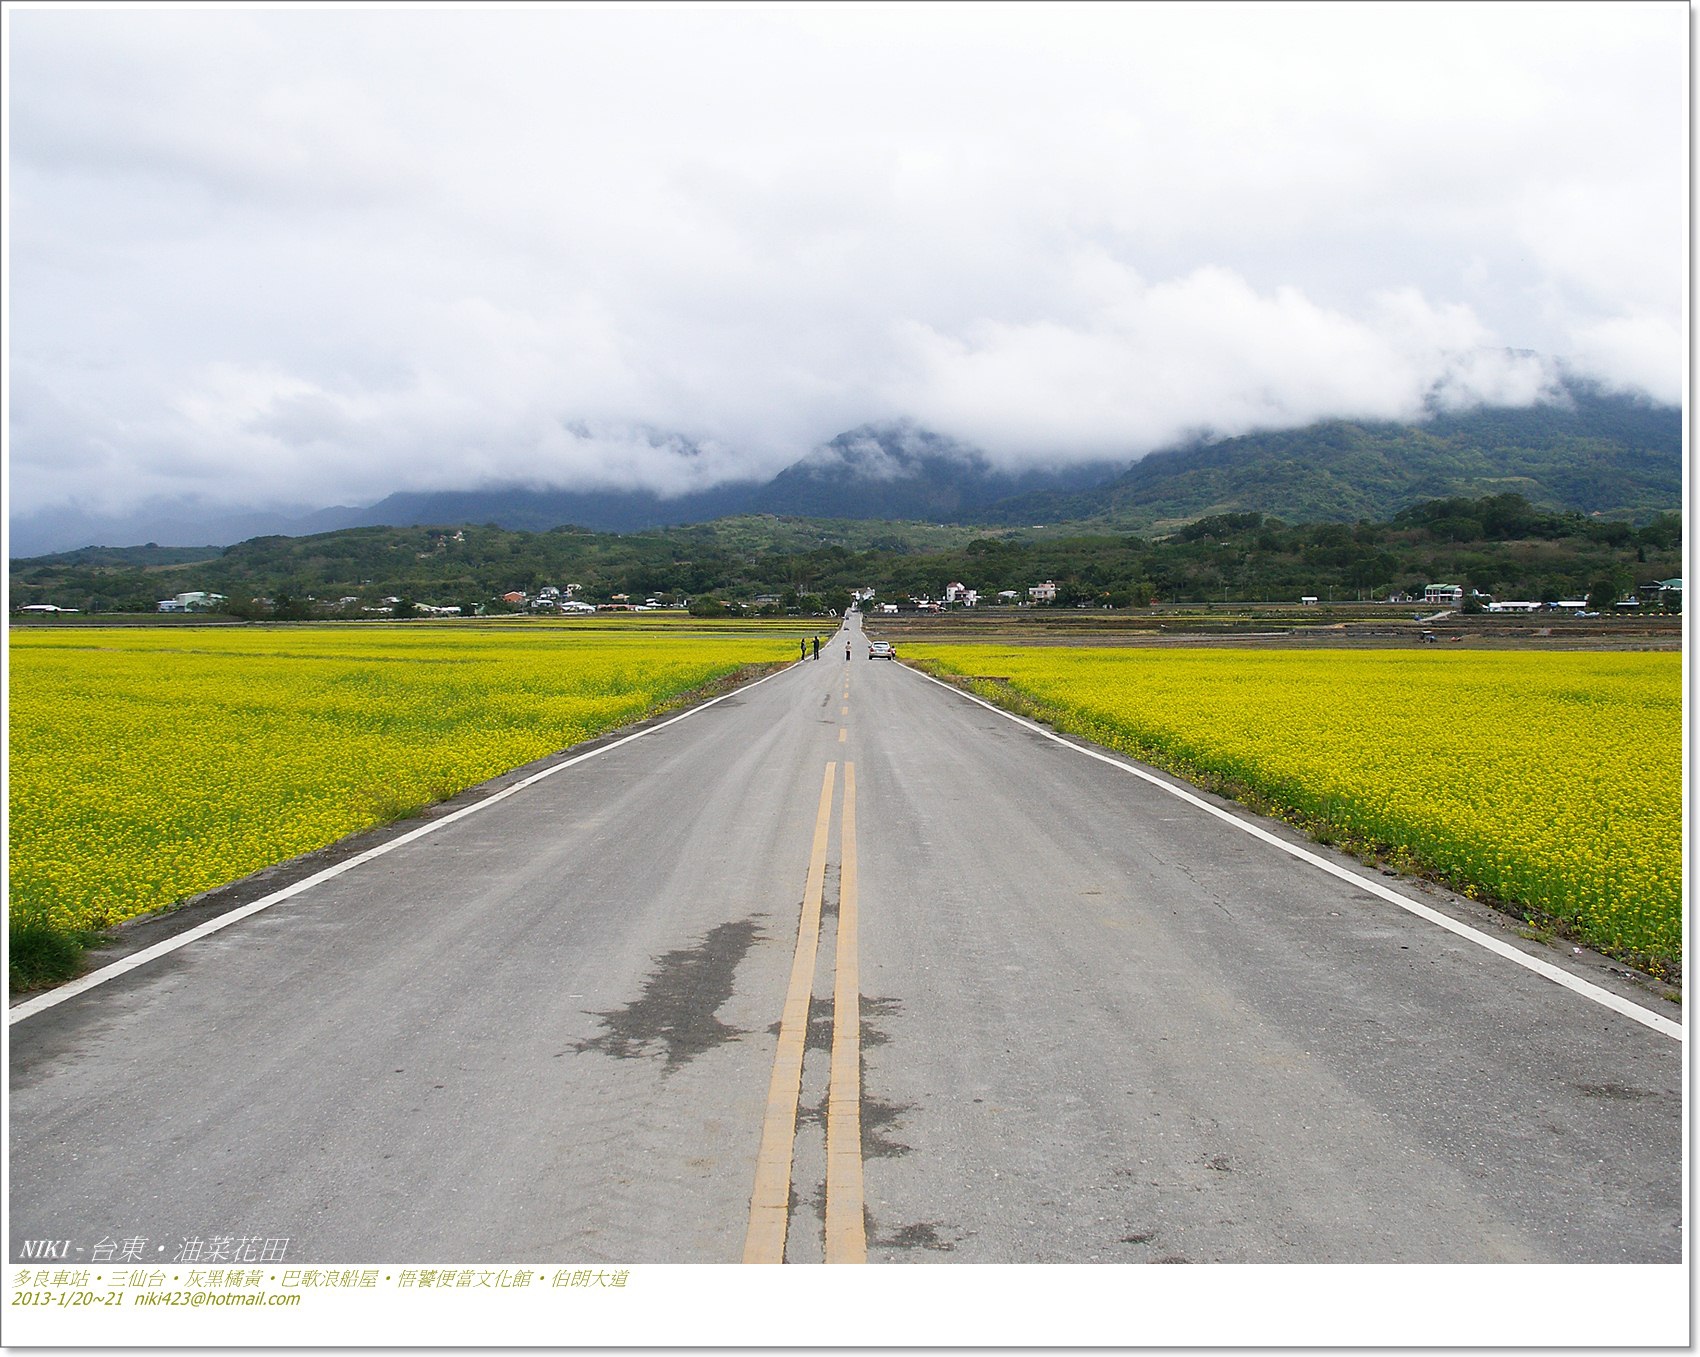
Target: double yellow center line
(846, 1240)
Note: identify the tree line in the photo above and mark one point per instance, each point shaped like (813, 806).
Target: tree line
(1501, 546)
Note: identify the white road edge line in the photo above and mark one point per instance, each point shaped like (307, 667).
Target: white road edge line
(1588, 990)
(30, 1007)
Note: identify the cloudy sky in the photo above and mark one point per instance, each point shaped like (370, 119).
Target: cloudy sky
(313, 256)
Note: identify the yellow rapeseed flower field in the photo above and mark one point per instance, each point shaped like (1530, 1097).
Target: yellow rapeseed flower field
(1549, 781)
(149, 764)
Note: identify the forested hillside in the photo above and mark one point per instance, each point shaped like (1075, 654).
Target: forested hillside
(1500, 545)
(1598, 454)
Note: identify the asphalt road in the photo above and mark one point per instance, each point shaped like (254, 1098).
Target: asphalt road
(845, 966)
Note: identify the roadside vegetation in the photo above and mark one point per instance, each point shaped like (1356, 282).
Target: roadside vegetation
(151, 764)
(1547, 784)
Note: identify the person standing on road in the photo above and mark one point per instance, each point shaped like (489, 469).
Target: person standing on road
(802, 650)
(817, 647)
(846, 647)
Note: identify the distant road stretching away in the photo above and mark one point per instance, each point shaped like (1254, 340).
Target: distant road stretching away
(847, 967)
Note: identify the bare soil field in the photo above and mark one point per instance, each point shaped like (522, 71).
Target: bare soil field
(1276, 627)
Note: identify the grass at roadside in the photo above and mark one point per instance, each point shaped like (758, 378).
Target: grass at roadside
(151, 764)
(1549, 784)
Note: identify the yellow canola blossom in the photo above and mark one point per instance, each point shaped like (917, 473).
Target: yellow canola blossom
(149, 764)
(1552, 781)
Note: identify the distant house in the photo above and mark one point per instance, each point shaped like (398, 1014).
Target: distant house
(1009, 595)
(44, 608)
(1042, 593)
(1308, 601)
(194, 601)
(1444, 595)
(513, 596)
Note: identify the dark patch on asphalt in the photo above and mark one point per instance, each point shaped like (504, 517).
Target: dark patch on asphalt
(680, 999)
(873, 1010)
(1173, 1258)
(878, 1116)
(818, 1037)
(1616, 1092)
(923, 1236)
(877, 1120)
(1145, 1238)
(1219, 1163)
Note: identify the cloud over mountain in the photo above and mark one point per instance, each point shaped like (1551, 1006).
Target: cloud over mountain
(315, 256)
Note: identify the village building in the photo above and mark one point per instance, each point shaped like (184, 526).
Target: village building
(196, 600)
(1666, 594)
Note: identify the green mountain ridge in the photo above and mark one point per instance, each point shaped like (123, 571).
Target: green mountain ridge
(1602, 454)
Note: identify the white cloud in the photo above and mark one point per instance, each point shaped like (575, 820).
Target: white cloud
(1634, 353)
(319, 255)
(1205, 354)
